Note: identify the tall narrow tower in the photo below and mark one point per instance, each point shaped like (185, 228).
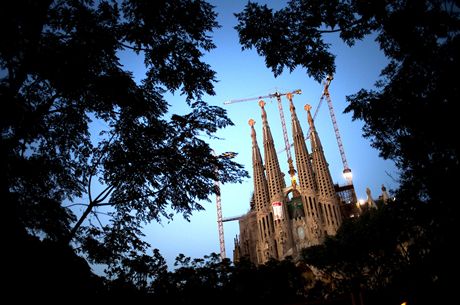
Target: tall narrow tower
(307, 183)
(326, 192)
(276, 186)
(265, 226)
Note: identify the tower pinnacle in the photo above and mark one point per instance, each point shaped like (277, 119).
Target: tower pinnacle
(326, 191)
(276, 187)
(260, 182)
(306, 180)
(303, 164)
(274, 176)
(265, 248)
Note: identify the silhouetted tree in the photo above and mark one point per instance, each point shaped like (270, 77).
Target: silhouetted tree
(194, 281)
(210, 280)
(368, 253)
(45, 270)
(60, 71)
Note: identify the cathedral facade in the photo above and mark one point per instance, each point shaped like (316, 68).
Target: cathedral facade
(284, 219)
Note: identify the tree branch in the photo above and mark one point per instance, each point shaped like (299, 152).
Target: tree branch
(103, 195)
(341, 29)
(98, 220)
(74, 204)
(133, 48)
(127, 200)
(329, 31)
(95, 165)
(74, 230)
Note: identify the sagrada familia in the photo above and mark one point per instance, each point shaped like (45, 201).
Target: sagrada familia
(284, 219)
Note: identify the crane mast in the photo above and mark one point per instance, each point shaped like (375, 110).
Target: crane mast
(220, 224)
(346, 170)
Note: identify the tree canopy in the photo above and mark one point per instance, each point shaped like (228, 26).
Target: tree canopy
(61, 71)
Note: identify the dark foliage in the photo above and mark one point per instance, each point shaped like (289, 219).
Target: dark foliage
(292, 36)
(395, 253)
(211, 281)
(61, 77)
(47, 271)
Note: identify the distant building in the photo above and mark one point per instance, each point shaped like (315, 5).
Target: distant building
(284, 219)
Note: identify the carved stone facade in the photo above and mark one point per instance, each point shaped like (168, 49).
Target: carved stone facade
(285, 219)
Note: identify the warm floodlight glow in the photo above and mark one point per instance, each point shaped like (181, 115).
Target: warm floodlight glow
(361, 201)
(347, 174)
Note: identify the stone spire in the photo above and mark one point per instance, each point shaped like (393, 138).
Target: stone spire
(326, 191)
(302, 158)
(370, 202)
(276, 186)
(260, 182)
(275, 178)
(265, 247)
(320, 166)
(306, 179)
(385, 196)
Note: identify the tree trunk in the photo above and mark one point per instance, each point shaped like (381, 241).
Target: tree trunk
(78, 224)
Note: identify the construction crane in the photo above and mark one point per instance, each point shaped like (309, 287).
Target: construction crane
(232, 218)
(346, 170)
(278, 96)
(220, 225)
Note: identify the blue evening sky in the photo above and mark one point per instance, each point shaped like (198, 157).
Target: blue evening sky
(242, 74)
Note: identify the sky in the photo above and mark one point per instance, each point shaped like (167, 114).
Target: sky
(243, 74)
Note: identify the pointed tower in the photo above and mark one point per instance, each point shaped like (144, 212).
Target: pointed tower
(307, 186)
(328, 200)
(369, 201)
(276, 186)
(236, 250)
(266, 232)
(385, 196)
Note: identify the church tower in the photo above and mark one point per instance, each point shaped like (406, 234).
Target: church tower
(328, 200)
(266, 248)
(307, 187)
(276, 186)
(284, 219)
